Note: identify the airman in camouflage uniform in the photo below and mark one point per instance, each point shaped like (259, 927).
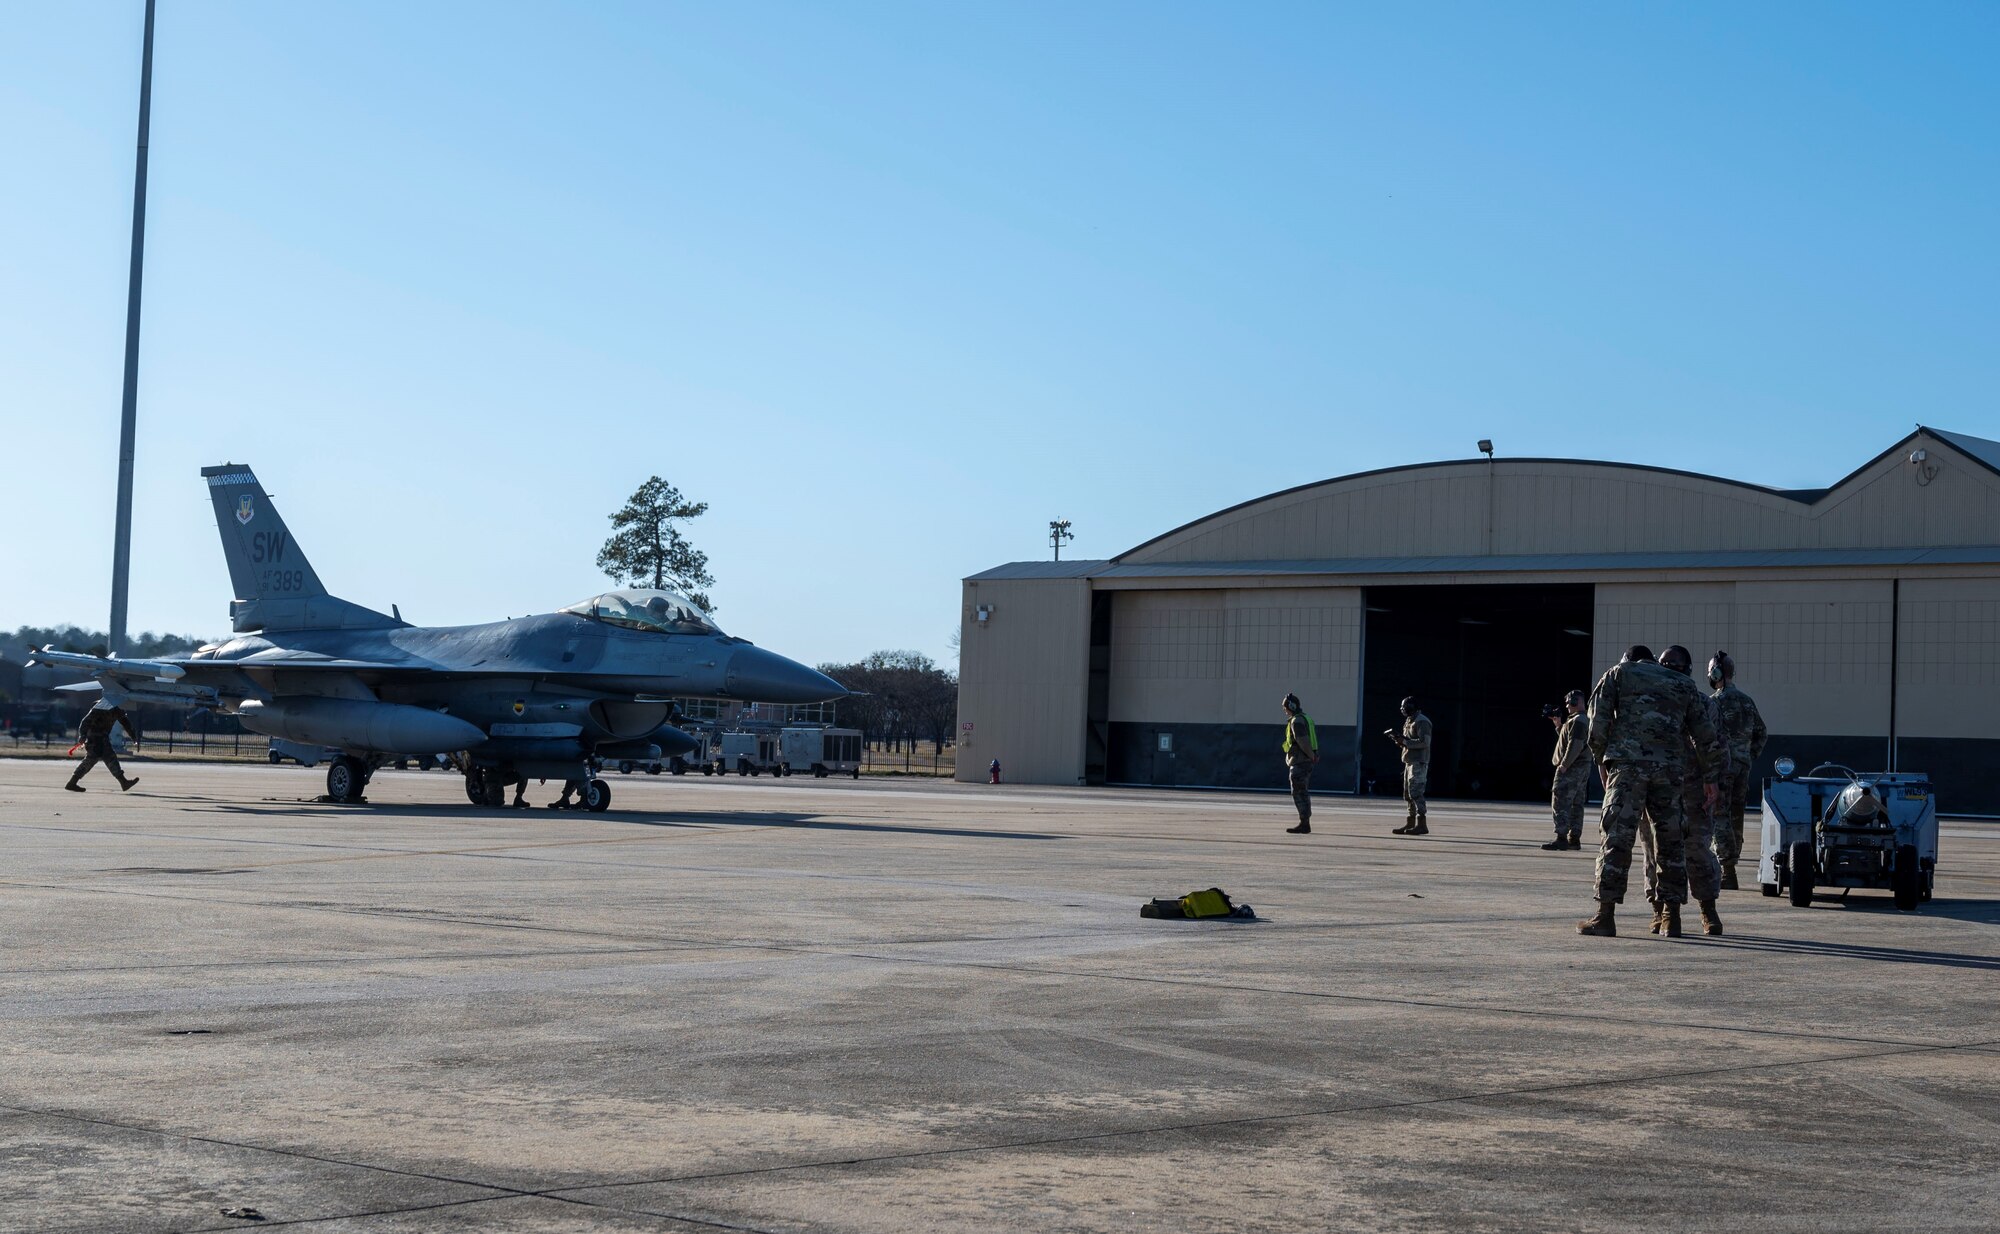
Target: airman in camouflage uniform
(1572, 780)
(1697, 784)
(1640, 719)
(1301, 747)
(1741, 730)
(1415, 743)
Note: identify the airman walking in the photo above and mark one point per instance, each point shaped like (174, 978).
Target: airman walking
(94, 735)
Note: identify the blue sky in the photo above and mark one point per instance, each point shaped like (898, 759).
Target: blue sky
(892, 285)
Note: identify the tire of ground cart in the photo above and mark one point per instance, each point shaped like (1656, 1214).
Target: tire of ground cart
(625, 768)
(1907, 879)
(854, 774)
(1800, 863)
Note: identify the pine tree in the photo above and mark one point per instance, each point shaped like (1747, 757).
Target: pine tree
(647, 548)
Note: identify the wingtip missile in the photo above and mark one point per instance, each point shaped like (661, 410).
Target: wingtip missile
(102, 666)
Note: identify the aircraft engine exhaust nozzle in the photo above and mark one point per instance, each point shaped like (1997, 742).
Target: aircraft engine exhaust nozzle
(357, 724)
(766, 677)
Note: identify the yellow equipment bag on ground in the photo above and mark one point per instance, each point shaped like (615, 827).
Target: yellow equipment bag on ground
(1211, 903)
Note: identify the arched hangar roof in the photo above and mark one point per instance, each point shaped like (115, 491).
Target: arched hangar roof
(1535, 507)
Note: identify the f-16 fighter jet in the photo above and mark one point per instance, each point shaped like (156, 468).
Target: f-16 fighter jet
(547, 696)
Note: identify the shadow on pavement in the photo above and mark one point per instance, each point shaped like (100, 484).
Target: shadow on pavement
(1854, 951)
(734, 818)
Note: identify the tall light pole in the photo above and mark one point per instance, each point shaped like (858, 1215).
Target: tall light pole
(121, 551)
(1486, 448)
(1059, 535)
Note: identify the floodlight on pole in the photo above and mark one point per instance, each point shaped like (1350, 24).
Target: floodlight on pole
(1059, 535)
(1486, 448)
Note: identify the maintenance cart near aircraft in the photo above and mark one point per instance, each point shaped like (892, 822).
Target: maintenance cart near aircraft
(1835, 827)
(555, 695)
(822, 751)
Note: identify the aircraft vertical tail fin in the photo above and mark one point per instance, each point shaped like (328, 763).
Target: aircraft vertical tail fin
(276, 587)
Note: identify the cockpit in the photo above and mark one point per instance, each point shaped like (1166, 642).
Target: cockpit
(668, 612)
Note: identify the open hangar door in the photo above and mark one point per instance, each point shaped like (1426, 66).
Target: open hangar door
(1482, 659)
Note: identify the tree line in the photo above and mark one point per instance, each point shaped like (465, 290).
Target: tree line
(900, 697)
(97, 642)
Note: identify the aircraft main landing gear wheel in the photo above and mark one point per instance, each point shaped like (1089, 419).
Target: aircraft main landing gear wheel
(475, 786)
(345, 779)
(596, 796)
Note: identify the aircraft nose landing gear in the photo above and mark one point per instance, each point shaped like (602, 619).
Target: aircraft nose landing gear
(346, 779)
(596, 796)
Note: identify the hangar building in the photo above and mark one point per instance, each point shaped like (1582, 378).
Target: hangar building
(1864, 619)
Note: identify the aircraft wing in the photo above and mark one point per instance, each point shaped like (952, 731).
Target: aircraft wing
(150, 681)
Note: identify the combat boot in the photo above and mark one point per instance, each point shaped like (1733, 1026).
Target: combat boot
(125, 786)
(1303, 829)
(1672, 919)
(1601, 925)
(1659, 915)
(1423, 827)
(74, 787)
(1728, 878)
(1409, 825)
(1711, 921)
(1554, 845)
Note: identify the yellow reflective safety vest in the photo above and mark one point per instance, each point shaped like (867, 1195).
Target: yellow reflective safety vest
(1312, 733)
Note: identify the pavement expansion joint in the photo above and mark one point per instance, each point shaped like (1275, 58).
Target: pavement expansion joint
(1568, 1086)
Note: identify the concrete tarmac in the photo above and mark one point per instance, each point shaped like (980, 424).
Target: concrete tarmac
(828, 1005)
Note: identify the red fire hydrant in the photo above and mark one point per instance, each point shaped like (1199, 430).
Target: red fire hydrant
(993, 770)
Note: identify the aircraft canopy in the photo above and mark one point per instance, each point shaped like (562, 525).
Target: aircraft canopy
(644, 608)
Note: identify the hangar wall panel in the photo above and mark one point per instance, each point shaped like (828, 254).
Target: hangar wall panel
(1228, 656)
(1948, 658)
(1813, 653)
(1023, 680)
(1196, 677)
(1699, 616)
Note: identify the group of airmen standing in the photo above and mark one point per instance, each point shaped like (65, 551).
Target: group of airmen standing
(1676, 766)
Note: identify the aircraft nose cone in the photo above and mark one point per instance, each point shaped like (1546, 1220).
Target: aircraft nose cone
(767, 677)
